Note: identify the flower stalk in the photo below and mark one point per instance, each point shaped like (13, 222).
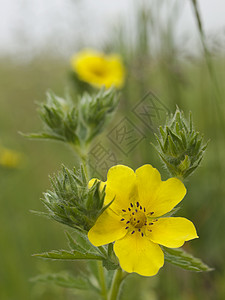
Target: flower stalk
(102, 280)
(119, 276)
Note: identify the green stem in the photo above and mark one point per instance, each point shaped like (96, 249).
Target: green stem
(82, 153)
(207, 55)
(102, 280)
(116, 285)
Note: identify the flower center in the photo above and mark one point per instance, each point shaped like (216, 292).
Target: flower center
(138, 219)
(135, 219)
(98, 70)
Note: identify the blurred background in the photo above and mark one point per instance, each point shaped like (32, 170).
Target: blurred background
(160, 44)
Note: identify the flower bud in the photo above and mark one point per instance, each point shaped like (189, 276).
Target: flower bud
(179, 146)
(71, 202)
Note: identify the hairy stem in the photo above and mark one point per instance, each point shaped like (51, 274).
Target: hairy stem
(102, 280)
(119, 276)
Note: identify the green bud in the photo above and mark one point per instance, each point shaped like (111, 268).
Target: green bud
(71, 202)
(78, 122)
(179, 146)
(95, 112)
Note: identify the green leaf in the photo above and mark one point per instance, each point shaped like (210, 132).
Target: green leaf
(69, 255)
(84, 242)
(64, 280)
(172, 212)
(44, 135)
(184, 260)
(73, 244)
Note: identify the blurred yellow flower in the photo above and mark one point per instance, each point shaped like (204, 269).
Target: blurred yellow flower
(99, 69)
(135, 218)
(9, 158)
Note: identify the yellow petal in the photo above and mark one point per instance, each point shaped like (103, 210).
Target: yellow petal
(148, 182)
(99, 69)
(172, 232)
(120, 185)
(107, 229)
(138, 254)
(155, 195)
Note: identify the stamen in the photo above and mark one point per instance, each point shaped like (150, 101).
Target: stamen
(137, 204)
(132, 213)
(140, 207)
(131, 204)
(134, 219)
(136, 210)
(129, 209)
(139, 229)
(144, 209)
(124, 210)
(133, 232)
(127, 222)
(122, 219)
(137, 221)
(142, 234)
(127, 227)
(150, 224)
(152, 212)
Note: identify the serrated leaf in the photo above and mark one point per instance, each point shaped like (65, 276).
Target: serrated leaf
(69, 255)
(72, 243)
(184, 260)
(64, 280)
(85, 243)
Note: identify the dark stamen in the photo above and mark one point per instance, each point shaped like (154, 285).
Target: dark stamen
(129, 209)
(122, 219)
(132, 232)
(144, 209)
(139, 229)
(137, 204)
(131, 204)
(134, 219)
(132, 213)
(124, 210)
(142, 234)
(127, 222)
(136, 210)
(140, 207)
(126, 227)
(150, 224)
(152, 212)
(138, 221)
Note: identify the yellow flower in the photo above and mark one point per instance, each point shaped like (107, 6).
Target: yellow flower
(9, 158)
(99, 69)
(134, 219)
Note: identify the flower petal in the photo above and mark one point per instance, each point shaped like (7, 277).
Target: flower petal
(107, 229)
(170, 193)
(120, 185)
(138, 254)
(148, 182)
(155, 195)
(172, 232)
